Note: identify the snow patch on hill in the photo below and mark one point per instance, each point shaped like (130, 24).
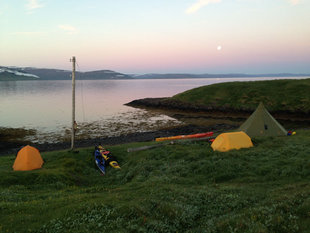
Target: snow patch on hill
(3, 69)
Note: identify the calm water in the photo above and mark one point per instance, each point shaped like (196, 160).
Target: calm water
(46, 105)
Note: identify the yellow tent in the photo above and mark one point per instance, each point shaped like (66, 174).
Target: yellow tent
(229, 141)
(28, 158)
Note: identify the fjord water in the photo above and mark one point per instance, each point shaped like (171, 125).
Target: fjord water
(46, 105)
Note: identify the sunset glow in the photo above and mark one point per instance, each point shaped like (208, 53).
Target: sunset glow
(197, 36)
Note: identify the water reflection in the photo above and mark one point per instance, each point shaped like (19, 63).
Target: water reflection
(46, 105)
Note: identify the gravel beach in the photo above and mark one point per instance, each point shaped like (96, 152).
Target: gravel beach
(12, 147)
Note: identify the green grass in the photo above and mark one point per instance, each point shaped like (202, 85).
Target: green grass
(185, 187)
(277, 95)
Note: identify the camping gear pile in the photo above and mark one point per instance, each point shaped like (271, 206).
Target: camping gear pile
(104, 158)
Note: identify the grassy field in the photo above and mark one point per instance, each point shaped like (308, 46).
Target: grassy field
(277, 95)
(185, 187)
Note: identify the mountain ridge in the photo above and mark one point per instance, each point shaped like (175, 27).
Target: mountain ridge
(30, 73)
(14, 73)
(207, 75)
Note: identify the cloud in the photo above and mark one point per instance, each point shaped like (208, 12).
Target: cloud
(68, 28)
(33, 4)
(199, 4)
(27, 33)
(294, 2)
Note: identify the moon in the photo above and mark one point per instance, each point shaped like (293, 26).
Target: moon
(219, 48)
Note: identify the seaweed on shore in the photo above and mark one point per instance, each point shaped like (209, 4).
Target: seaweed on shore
(12, 138)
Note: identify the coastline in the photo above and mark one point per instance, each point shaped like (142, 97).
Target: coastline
(168, 104)
(12, 147)
(195, 120)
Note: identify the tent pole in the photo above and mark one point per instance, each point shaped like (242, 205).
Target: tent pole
(73, 103)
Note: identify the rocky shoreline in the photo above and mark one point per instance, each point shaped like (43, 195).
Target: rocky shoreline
(166, 103)
(197, 119)
(12, 147)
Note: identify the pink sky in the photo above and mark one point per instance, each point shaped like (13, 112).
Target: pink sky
(148, 37)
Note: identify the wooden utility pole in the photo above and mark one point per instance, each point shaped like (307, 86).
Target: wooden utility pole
(73, 104)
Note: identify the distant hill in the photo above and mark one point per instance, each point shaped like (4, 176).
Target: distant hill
(289, 96)
(29, 73)
(286, 98)
(7, 74)
(54, 74)
(233, 75)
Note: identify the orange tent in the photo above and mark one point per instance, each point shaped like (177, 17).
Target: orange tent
(229, 141)
(28, 158)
